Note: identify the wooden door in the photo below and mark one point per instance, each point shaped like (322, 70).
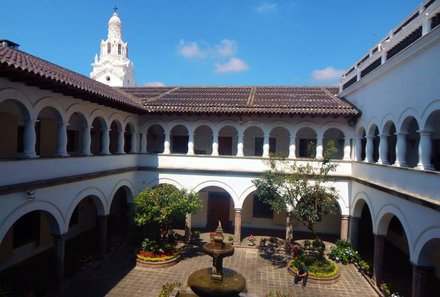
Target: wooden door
(218, 210)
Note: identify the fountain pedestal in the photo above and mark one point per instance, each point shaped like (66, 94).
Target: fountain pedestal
(217, 281)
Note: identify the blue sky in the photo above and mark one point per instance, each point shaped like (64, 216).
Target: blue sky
(209, 42)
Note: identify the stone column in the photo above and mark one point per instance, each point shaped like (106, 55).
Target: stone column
(86, 141)
(353, 231)
(344, 227)
(401, 149)
(266, 146)
(133, 143)
(121, 142)
(29, 141)
(237, 226)
(214, 144)
(188, 226)
(166, 144)
(347, 148)
(358, 150)
(131, 223)
(190, 143)
(319, 147)
(383, 149)
(143, 143)
(58, 249)
(105, 142)
(420, 281)
(379, 246)
(62, 140)
(102, 236)
(425, 150)
(292, 147)
(240, 145)
(370, 149)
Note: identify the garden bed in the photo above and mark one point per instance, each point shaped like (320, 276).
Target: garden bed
(323, 279)
(159, 263)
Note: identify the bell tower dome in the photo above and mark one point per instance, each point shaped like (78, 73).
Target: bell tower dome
(113, 66)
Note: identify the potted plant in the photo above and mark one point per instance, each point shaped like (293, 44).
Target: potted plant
(156, 210)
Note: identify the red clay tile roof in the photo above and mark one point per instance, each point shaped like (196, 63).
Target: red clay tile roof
(22, 66)
(261, 100)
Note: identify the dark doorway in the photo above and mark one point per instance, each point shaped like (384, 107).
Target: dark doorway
(218, 210)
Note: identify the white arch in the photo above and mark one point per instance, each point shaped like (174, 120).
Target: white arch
(178, 122)
(409, 112)
(76, 108)
(432, 232)
(335, 125)
(383, 218)
(117, 118)
(19, 97)
(219, 184)
(355, 209)
(130, 120)
(229, 123)
(252, 188)
(253, 124)
(201, 123)
(427, 112)
(360, 130)
(56, 216)
(164, 180)
(147, 125)
(50, 103)
(389, 117)
(279, 124)
(99, 113)
(101, 203)
(122, 183)
(307, 124)
(371, 128)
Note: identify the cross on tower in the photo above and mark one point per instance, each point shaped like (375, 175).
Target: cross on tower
(115, 8)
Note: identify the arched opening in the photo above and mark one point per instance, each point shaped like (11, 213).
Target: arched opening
(397, 268)
(306, 143)
(430, 258)
(75, 128)
(364, 235)
(258, 218)
(390, 131)
(97, 131)
(129, 133)
(335, 135)
(179, 140)
(203, 141)
(26, 255)
(227, 141)
(217, 206)
(433, 125)
(119, 49)
(253, 141)
(82, 239)
(410, 126)
(363, 144)
(13, 116)
(279, 141)
(109, 48)
(115, 130)
(46, 128)
(373, 136)
(155, 139)
(118, 221)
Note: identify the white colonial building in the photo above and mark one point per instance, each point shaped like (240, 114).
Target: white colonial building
(74, 152)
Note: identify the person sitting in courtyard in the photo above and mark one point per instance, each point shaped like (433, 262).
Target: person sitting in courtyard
(302, 274)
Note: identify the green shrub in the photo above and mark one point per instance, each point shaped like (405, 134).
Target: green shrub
(317, 267)
(168, 288)
(344, 253)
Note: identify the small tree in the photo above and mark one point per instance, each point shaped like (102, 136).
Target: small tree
(162, 205)
(300, 188)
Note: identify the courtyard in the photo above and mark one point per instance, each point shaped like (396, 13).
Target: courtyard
(118, 275)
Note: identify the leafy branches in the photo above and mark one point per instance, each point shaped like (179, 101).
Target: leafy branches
(303, 188)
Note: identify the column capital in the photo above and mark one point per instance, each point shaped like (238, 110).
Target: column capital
(425, 132)
(384, 135)
(238, 210)
(345, 217)
(401, 134)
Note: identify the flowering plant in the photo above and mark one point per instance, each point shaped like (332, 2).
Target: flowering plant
(153, 251)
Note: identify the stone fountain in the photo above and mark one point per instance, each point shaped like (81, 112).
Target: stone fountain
(216, 280)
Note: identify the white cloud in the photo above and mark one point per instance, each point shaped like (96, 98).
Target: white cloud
(327, 74)
(227, 48)
(267, 7)
(190, 50)
(233, 65)
(154, 84)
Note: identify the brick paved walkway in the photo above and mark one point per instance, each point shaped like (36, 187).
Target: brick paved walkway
(118, 276)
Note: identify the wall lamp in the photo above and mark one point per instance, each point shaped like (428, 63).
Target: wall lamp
(31, 194)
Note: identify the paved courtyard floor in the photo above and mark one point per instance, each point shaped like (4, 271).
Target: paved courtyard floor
(118, 276)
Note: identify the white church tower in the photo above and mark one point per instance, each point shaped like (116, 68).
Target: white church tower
(113, 66)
